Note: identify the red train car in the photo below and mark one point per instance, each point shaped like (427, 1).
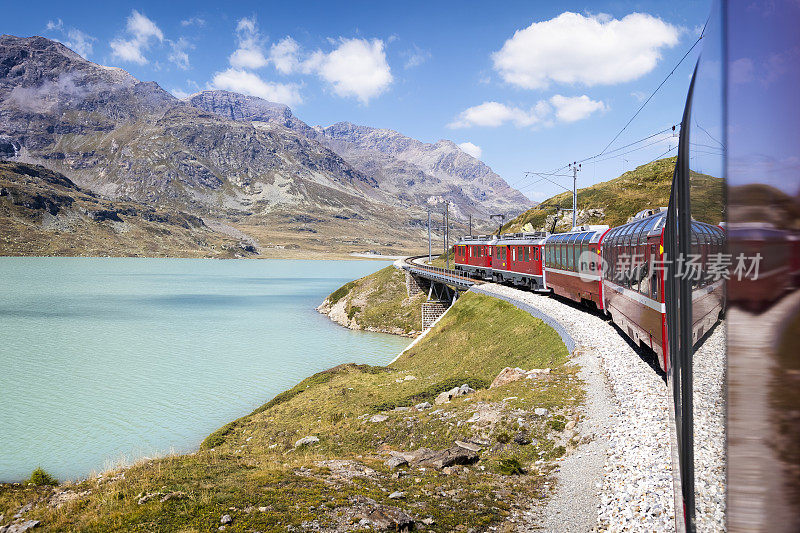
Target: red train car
(633, 283)
(517, 258)
(563, 271)
(473, 256)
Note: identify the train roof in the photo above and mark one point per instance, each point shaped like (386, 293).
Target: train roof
(654, 224)
(536, 237)
(579, 234)
(477, 239)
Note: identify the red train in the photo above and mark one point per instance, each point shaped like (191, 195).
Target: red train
(619, 271)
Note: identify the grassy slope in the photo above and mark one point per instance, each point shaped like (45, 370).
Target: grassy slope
(647, 186)
(253, 461)
(379, 302)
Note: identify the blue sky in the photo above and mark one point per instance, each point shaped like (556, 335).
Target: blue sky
(532, 85)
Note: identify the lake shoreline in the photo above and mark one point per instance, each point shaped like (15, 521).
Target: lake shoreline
(340, 439)
(180, 323)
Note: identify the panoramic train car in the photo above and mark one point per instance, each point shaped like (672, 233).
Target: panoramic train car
(568, 260)
(517, 259)
(473, 256)
(633, 284)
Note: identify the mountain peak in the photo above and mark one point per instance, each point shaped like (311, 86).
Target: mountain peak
(244, 108)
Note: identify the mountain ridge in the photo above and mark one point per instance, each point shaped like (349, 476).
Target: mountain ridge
(273, 177)
(398, 163)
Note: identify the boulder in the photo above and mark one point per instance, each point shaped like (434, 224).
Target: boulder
(19, 527)
(446, 396)
(541, 411)
(385, 517)
(396, 461)
(468, 446)
(536, 372)
(379, 418)
(226, 519)
(396, 495)
(440, 459)
(306, 441)
(506, 376)
(422, 406)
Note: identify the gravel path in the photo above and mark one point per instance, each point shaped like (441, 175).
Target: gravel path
(622, 479)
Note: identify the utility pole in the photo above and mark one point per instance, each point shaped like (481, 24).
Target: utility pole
(429, 234)
(575, 168)
(446, 236)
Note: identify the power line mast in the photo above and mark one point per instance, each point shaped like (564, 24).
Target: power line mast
(575, 168)
(447, 234)
(502, 218)
(429, 234)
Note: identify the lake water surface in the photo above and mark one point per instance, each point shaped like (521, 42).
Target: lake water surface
(103, 360)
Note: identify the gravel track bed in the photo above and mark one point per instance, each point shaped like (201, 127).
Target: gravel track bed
(633, 490)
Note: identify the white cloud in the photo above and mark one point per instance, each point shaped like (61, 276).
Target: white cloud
(285, 55)
(179, 93)
(639, 95)
(494, 114)
(250, 53)
(244, 82)
(415, 57)
(574, 108)
(471, 149)
(73, 38)
(142, 32)
(179, 54)
(356, 68)
(194, 21)
(585, 49)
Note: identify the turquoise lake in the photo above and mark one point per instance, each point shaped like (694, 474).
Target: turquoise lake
(107, 360)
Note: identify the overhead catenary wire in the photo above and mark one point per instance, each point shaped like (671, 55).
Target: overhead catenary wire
(545, 176)
(605, 151)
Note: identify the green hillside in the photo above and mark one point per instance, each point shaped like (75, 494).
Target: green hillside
(613, 202)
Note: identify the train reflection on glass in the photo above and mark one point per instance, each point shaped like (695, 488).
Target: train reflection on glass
(737, 463)
(763, 176)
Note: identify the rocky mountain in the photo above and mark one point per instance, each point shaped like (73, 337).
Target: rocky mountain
(241, 107)
(128, 140)
(44, 213)
(240, 163)
(415, 170)
(404, 168)
(131, 139)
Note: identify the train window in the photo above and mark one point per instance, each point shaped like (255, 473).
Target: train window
(649, 225)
